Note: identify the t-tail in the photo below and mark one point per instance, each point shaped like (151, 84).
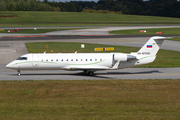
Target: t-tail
(152, 46)
(147, 54)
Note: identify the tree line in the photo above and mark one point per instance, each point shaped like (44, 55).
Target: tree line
(26, 5)
(167, 8)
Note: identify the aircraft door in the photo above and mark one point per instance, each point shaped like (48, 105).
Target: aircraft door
(35, 60)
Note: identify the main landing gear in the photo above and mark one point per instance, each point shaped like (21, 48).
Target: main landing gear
(19, 74)
(91, 73)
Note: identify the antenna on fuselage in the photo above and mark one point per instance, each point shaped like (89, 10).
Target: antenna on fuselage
(44, 52)
(75, 52)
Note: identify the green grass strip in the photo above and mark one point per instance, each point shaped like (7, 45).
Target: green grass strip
(42, 18)
(175, 39)
(166, 31)
(32, 31)
(90, 99)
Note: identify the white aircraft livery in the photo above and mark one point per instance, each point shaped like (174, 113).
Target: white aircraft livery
(88, 62)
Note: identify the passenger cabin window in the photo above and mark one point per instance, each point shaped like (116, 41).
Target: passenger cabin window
(95, 59)
(100, 59)
(76, 59)
(52, 60)
(90, 59)
(47, 60)
(57, 60)
(86, 59)
(71, 59)
(21, 58)
(67, 60)
(61, 59)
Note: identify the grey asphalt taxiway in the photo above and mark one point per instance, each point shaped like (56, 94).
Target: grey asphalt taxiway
(128, 73)
(11, 48)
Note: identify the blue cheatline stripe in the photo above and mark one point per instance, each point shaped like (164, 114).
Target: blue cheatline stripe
(149, 46)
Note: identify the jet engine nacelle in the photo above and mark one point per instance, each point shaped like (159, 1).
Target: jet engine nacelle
(123, 57)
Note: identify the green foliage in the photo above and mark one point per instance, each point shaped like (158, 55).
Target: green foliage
(12, 6)
(26, 5)
(2, 5)
(31, 4)
(22, 5)
(166, 8)
(39, 6)
(71, 7)
(100, 11)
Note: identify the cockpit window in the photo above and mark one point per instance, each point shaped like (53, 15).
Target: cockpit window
(21, 58)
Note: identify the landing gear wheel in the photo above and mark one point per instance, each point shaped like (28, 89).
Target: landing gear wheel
(91, 73)
(19, 74)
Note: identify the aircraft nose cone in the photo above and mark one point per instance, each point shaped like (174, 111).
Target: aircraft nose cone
(8, 65)
(12, 65)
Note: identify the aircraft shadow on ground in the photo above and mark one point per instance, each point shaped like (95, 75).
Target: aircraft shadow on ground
(130, 73)
(62, 74)
(96, 75)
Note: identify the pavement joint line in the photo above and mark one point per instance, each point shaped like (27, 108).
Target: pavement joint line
(127, 41)
(157, 74)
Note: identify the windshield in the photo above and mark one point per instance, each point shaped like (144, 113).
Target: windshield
(21, 58)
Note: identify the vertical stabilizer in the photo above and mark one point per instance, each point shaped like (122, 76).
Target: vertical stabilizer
(152, 46)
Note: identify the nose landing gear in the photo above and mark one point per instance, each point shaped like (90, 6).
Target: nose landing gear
(19, 74)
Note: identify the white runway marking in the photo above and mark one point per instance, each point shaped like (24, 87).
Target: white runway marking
(7, 51)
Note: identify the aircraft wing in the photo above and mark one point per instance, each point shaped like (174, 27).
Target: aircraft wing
(87, 68)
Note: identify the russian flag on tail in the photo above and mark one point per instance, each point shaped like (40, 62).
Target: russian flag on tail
(149, 46)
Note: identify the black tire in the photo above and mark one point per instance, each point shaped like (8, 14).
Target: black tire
(91, 73)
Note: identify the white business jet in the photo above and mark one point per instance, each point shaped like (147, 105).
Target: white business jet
(88, 62)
